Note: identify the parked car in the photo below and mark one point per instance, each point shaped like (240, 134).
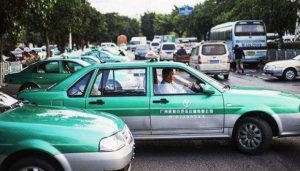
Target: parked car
(45, 73)
(141, 51)
(285, 69)
(106, 56)
(204, 107)
(89, 59)
(167, 50)
(211, 58)
(37, 138)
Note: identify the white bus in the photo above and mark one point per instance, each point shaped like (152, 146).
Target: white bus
(250, 35)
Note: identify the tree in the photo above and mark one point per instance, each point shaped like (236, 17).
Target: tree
(10, 29)
(147, 25)
(37, 16)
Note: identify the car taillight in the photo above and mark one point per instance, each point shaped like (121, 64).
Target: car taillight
(199, 59)
(228, 59)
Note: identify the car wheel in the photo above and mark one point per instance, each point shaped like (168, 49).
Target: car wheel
(28, 86)
(226, 76)
(289, 74)
(252, 135)
(34, 163)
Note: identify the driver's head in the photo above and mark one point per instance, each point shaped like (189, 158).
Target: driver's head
(167, 75)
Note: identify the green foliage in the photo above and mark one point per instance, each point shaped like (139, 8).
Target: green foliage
(147, 25)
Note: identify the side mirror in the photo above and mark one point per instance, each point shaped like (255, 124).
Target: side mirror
(208, 90)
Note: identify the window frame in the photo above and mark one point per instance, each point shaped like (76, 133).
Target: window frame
(172, 94)
(115, 94)
(86, 87)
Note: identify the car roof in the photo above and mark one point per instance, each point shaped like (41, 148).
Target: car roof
(72, 60)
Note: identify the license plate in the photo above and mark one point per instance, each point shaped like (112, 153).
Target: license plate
(250, 53)
(214, 61)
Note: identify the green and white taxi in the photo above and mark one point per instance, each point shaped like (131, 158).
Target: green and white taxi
(40, 138)
(174, 101)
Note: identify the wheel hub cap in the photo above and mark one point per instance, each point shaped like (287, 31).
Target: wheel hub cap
(250, 136)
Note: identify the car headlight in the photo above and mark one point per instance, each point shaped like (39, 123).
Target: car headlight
(270, 67)
(112, 143)
(127, 135)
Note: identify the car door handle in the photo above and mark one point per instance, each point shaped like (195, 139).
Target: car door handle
(38, 77)
(97, 102)
(163, 101)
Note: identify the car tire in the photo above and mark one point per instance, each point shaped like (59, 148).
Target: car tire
(27, 86)
(226, 76)
(34, 163)
(252, 135)
(289, 74)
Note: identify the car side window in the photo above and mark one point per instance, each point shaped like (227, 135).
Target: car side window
(79, 88)
(47, 67)
(170, 81)
(70, 67)
(120, 82)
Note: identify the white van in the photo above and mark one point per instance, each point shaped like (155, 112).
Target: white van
(167, 51)
(211, 58)
(154, 46)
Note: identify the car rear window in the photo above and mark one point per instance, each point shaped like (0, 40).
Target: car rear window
(213, 49)
(154, 44)
(168, 47)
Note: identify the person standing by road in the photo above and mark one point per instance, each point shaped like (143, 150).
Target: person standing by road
(239, 55)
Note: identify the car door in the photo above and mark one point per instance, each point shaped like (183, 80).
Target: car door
(188, 111)
(47, 73)
(122, 92)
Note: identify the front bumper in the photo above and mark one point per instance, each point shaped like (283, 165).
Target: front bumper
(290, 124)
(106, 161)
(275, 72)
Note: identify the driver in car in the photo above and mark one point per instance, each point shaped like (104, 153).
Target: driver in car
(168, 86)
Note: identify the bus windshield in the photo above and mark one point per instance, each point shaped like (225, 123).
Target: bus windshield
(249, 29)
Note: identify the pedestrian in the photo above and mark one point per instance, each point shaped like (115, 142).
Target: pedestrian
(35, 55)
(239, 55)
(27, 59)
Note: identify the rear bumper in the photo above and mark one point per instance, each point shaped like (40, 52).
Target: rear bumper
(223, 68)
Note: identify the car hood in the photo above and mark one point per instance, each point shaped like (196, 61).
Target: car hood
(282, 63)
(257, 91)
(63, 118)
(256, 97)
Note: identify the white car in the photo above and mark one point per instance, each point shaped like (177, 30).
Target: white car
(211, 58)
(285, 69)
(167, 51)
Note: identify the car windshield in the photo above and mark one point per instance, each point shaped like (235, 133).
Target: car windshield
(8, 102)
(297, 58)
(168, 47)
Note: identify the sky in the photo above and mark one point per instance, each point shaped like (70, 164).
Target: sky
(135, 8)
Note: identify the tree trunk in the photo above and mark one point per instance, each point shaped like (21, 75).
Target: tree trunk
(1, 49)
(47, 45)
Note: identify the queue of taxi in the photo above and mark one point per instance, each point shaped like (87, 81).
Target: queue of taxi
(67, 127)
